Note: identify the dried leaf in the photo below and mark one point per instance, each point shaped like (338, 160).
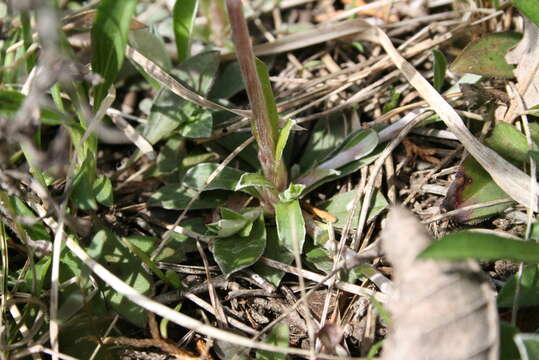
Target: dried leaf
(440, 309)
(526, 56)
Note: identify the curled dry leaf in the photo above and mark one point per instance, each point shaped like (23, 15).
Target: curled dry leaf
(440, 309)
(526, 56)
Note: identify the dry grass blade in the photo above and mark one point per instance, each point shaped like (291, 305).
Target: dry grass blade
(168, 81)
(438, 307)
(518, 184)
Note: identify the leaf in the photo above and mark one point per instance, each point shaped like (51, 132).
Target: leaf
(529, 289)
(437, 307)
(509, 142)
(37, 231)
(290, 225)
(234, 223)
(283, 138)
(440, 67)
(394, 98)
(151, 46)
(170, 112)
(227, 179)
(183, 19)
(106, 248)
(275, 250)
(109, 38)
(229, 83)
(11, 101)
(177, 196)
(354, 148)
(508, 348)
(293, 192)
(239, 252)
(529, 9)
(486, 56)
(528, 346)
(199, 125)
(256, 180)
(271, 106)
(278, 337)
(170, 156)
(341, 204)
(83, 195)
(103, 191)
(473, 185)
(482, 246)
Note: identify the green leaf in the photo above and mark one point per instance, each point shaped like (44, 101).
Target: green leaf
(440, 67)
(233, 222)
(528, 8)
(103, 191)
(36, 231)
(199, 125)
(229, 83)
(394, 98)
(226, 180)
(83, 195)
(275, 250)
(326, 135)
(11, 101)
(482, 246)
(239, 252)
(183, 19)
(151, 46)
(341, 204)
(290, 225)
(355, 148)
(107, 249)
(529, 289)
(473, 185)
(170, 156)
(509, 142)
(292, 193)
(177, 196)
(283, 138)
(528, 346)
(486, 56)
(109, 37)
(508, 348)
(271, 106)
(278, 337)
(170, 112)
(256, 180)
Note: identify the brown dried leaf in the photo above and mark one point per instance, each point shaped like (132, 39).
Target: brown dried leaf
(440, 309)
(526, 56)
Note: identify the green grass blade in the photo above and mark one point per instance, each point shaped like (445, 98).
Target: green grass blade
(109, 37)
(183, 19)
(482, 246)
(283, 138)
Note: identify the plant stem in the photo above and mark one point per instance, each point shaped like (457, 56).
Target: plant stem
(264, 129)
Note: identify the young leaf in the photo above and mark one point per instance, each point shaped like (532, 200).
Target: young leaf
(237, 252)
(103, 191)
(255, 180)
(486, 56)
(440, 67)
(482, 246)
(109, 37)
(183, 19)
(11, 101)
(279, 337)
(283, 138)
(290, 225)
(227, 179)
